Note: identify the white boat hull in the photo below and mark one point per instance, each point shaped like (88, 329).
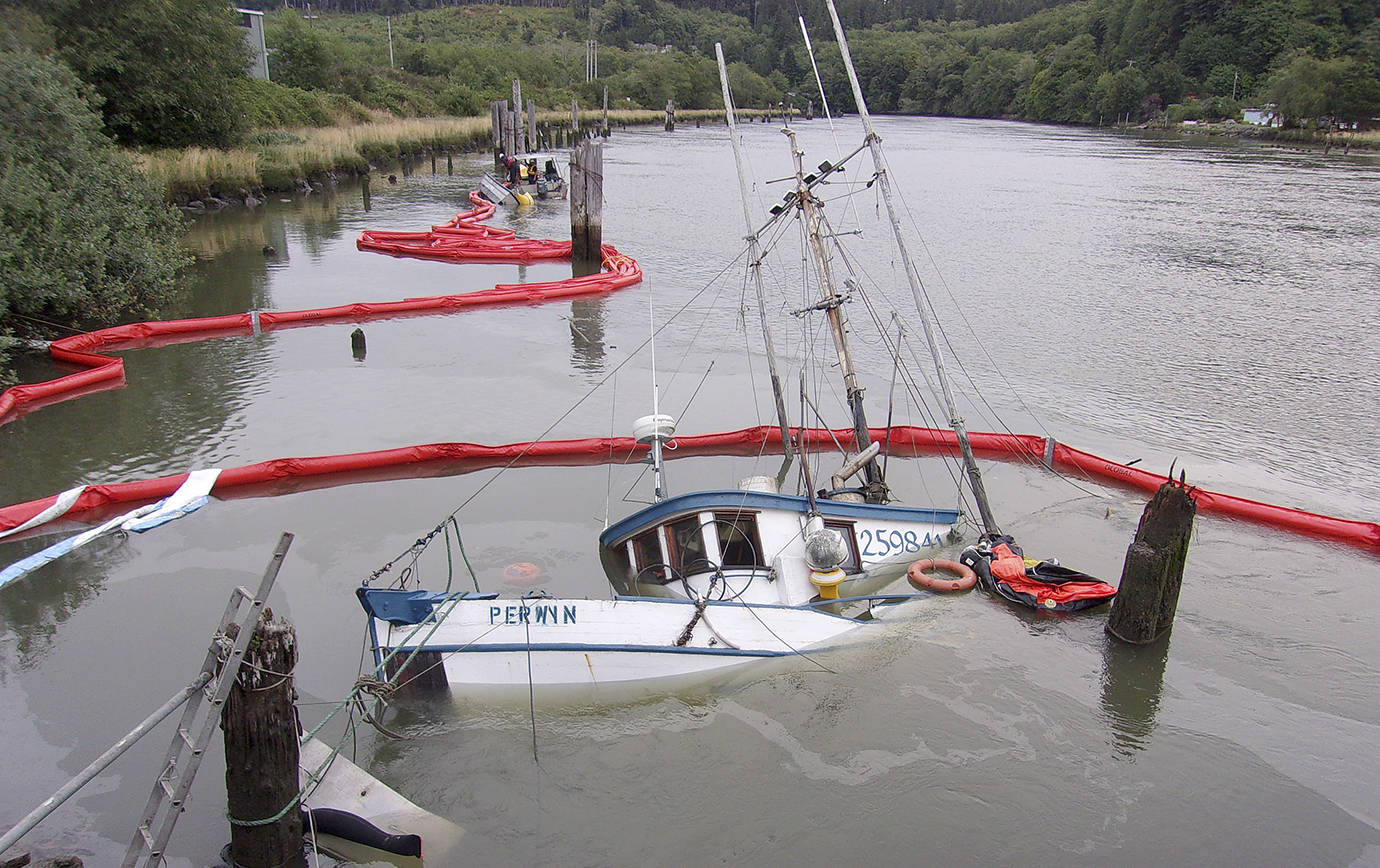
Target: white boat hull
(624, 643)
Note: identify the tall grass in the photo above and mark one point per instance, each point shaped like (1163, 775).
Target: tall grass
(195, 170)
(278, 160)
(275, 160)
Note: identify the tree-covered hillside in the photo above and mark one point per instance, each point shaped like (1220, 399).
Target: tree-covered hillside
(1087, 61)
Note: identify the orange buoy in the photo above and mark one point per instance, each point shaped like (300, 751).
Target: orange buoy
(521, 573)
(918, 577)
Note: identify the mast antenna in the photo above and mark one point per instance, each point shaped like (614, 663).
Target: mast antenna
(657, 428)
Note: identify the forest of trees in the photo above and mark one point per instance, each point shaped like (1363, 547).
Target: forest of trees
(171, 73)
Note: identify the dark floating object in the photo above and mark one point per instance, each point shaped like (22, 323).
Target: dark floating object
(357, 830)
(357, 346)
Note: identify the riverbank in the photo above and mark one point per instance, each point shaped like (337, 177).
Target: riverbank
(281, 160)
(1346, 140)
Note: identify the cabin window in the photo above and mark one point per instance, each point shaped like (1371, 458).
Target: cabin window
(685, 542)
(850, 544)
(739, 543)
(646, 549)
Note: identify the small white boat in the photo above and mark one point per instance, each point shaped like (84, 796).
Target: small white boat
(547, 178)
(626, 646)
(532, 176)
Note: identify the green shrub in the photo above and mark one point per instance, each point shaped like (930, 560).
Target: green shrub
(85, 238)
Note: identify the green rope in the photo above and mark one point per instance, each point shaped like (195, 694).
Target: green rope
(315, 776)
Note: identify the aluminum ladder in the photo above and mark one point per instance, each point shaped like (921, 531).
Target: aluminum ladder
(199, 718)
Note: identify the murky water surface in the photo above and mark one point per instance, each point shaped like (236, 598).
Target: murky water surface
(1212, 304)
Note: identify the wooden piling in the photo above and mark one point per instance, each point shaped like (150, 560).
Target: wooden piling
(364, 186)
(498, 109)
(586, 205)
(532, 126)
(450, 165)
(1153, 573)
(574, 115)
(358, 346)
(670, 116)
(261, 751)
(604, 126)
(521, 144)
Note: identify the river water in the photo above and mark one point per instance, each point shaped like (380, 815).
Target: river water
(1208, 303)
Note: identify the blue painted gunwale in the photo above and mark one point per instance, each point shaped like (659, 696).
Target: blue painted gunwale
(472, 648)
(756, 501)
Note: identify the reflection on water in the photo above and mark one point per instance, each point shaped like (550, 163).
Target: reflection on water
(1132, 681)
(587, 334)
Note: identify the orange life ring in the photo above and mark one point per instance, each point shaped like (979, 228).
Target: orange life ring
(918, 577)
(521, 573)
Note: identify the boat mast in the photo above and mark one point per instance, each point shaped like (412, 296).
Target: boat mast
(755, 252)
(832, 305)
(874, 142)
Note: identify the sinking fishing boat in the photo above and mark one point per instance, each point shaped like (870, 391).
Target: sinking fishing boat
(716, 579)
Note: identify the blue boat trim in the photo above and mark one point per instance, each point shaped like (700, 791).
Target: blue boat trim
(725, 499)
(400, 607)
(584, 648)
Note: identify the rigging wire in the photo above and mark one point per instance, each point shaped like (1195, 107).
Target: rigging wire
(417, 547)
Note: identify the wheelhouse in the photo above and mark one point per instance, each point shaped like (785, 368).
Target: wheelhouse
(750, 531)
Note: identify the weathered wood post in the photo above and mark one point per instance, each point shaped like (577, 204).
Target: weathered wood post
(810, 111)
(364, 186)
(358, 346)
(574, 116)
(497, 109)
(433, 160)
(450, 164)
(532, 126)
(586, 207)
(521, 144)
(604, 129)
(670, 116)
(261, 754)
(1154, 571)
